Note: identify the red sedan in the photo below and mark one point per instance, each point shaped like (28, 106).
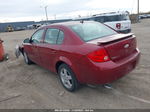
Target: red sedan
(82, 52)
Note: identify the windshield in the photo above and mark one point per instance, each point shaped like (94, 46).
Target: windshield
(92, 30)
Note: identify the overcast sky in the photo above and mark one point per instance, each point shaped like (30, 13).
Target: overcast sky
(26, 10)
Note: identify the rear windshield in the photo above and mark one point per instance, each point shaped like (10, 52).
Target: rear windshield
(92, 30)
(116, 18)
(111, 18)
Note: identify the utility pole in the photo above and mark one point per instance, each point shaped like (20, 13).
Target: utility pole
(138, 9)
(54, 16)
(46, 13)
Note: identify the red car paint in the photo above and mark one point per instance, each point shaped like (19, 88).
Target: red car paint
(121, 49)
(1, 51)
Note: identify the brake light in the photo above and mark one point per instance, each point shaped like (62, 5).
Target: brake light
(118, 25)
(99, 56)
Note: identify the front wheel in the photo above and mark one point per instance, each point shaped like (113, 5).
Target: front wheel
(26, 58)
(67, 78)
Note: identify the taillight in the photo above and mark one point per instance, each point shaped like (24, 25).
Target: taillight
(118, 25)
(99, 56)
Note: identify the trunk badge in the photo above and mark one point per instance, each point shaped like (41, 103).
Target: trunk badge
(126, 46)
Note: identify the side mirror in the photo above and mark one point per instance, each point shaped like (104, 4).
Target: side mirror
(27, 40)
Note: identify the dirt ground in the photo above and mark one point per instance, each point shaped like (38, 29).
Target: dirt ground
(32, 87)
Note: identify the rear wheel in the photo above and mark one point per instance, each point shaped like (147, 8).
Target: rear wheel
(67, 78)
(26, 58)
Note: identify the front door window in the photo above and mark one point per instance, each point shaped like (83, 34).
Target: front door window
(37, 37)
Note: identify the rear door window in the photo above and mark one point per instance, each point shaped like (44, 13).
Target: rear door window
(60, 37)
(51, 36)
(54, 36)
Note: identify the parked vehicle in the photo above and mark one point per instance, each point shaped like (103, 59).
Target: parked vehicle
(20, 28)
(82, 52)
(144, 16)
(9, 28)
(117, 20)
(148, 15)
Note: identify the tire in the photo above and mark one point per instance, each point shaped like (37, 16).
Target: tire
(26, 58)
(67, 78)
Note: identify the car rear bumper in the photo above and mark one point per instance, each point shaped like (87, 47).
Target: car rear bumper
(107, 72)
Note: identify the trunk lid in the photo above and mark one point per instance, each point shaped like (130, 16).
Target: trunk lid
(117, 46)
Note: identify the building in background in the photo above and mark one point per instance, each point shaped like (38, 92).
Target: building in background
(17, 26)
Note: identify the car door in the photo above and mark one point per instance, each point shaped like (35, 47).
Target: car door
(35, 41)
(50, 50)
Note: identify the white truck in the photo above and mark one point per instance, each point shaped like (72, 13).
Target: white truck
(117, 20)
